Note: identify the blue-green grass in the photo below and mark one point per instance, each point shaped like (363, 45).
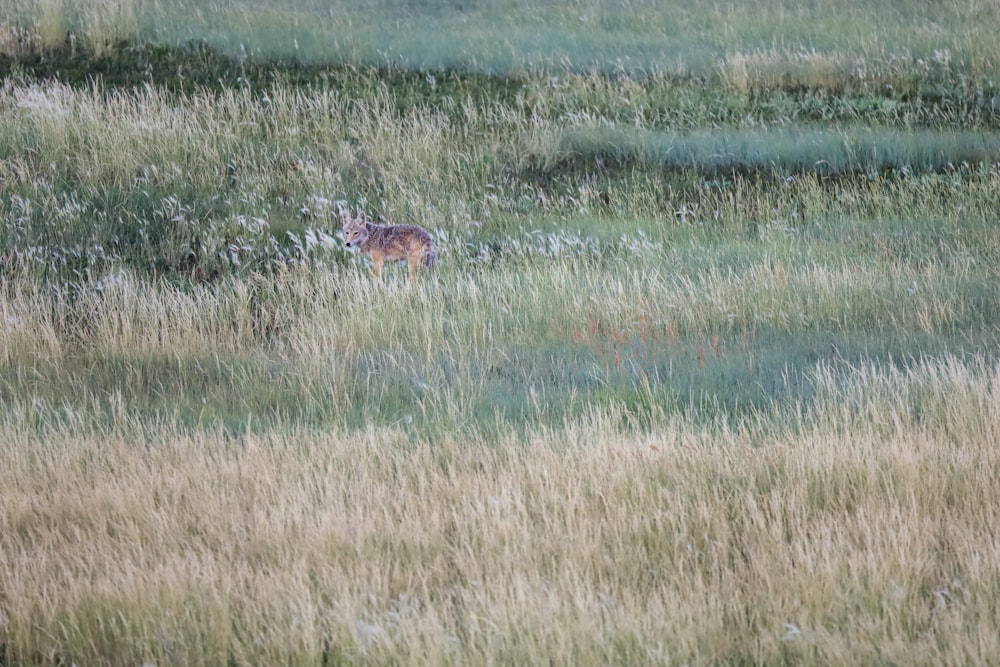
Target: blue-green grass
(510, 37)
(827, 151)
(555, 35)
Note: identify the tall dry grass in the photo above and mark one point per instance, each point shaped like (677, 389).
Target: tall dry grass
(861, 530)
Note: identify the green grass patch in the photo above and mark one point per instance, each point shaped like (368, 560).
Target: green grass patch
(100, 391)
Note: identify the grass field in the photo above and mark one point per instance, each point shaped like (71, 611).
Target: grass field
(707, 372)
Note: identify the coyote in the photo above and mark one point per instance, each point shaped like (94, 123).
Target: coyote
(392, 242)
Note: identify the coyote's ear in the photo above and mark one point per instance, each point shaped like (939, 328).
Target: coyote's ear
(345, 216)
(361, 217)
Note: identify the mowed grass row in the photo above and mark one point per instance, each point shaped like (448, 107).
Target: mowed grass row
(864, 532)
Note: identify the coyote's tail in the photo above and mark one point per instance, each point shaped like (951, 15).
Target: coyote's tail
(430, 255)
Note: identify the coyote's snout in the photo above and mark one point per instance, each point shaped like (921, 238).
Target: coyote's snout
(392, 242)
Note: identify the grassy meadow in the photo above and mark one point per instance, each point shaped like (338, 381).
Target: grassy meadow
(707, 372)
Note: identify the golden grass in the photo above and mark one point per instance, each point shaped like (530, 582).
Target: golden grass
(866, 531)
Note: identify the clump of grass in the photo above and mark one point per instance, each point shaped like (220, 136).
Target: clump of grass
(53, 25)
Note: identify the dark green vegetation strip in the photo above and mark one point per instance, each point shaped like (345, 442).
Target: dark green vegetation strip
(693, 136)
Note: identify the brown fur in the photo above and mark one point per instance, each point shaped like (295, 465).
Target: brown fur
(393, 242)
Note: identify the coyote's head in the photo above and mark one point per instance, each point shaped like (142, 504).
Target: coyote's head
(355, 230)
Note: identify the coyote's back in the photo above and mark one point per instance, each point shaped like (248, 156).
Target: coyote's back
(393, 242)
